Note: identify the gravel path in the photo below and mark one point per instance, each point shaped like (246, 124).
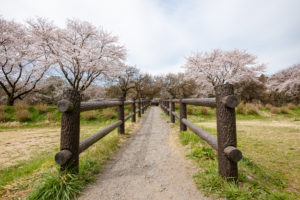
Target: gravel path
(149, 166)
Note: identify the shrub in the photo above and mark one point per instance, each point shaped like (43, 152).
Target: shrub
(240, 109)
(269, 106)
(20, 106)
(252, 109)
(259, 106)
(41, 108)
(284, 110)
(90, 115)
(291, 106)
(204, 110)
(108, 113)
(22, 115)
(191, 111)
(275, 110)
(3, 116)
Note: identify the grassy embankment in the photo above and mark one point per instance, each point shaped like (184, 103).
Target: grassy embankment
(269, 139)
(37, 175)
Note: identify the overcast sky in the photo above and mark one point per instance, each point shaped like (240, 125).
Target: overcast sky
(159, 34)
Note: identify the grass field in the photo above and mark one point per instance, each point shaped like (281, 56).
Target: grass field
(28, 148)
(270, 168)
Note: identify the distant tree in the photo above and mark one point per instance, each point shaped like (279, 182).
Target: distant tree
(49, 91)
(23, 63)
(145, 86)
(124, 81)
(82, 52)
(284, 86)
(220, 67)
(177, 85)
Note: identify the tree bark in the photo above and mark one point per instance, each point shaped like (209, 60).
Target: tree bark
(226, 128)
(121, 128)
(70, 130)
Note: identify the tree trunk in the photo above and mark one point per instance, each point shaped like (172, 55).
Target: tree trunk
(10, 101)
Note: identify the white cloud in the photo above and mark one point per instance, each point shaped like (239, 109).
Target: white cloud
(159, 34)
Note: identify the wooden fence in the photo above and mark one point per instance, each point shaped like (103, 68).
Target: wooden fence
(225, 142)
(70, 107)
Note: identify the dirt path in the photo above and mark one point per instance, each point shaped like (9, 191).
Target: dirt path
(149, 166)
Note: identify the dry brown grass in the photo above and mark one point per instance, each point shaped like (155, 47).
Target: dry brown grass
(269, 106)
(41, 107)
(252, 109)
(50, 116)
(204, 111)
(191, 111)
(90, 115)
(291, 106)
(108, 113)
(284, 110)
(2, 108)
(20, 105)
(275, 110)
(3, 116)
(22, 115)
(126, 112)
(241, 109)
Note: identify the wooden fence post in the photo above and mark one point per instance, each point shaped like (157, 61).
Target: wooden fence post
(143, 106)
(172, 109)
(121, 128)
(226, 128)
(70, 130)
(140, 107)
(133, 118)
(168, 106)
(182, 115)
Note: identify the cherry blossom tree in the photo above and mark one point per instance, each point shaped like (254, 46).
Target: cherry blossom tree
(220, 67)
(284, 86)
(82, 52)
(23, 64)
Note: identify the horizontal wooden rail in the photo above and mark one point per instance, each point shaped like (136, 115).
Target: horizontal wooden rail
(210, 139)
(176, 115)
(85, 106)
(86, 143)
(210, 102)
(128, 116)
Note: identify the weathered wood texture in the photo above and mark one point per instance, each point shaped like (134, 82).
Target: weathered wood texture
(182, 115)
(85, 106)
(70, 127)
(121, 128)
(172, 109)
(65, 106)
(210, 139)
(210, 102)
(128, 117)
(226, 128)
(86, 143)
(176, 115)
(133, 110)
(140, 108)
(63, 157)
